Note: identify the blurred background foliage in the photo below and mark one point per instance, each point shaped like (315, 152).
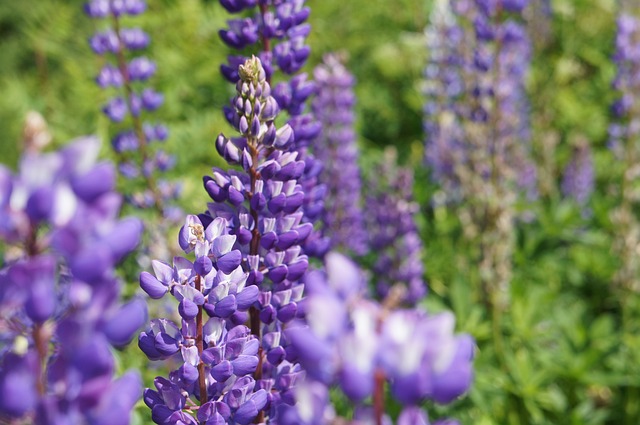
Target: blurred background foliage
(564, 354)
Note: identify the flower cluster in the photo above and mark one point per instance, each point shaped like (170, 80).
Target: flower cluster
(336, 148)
(59, 308)
(282, 21)
(478, 145)
(392, 230)
(483, 89)
(360, 345)
(280, 30)
(248, 267)
(219, 356)
(127, 75)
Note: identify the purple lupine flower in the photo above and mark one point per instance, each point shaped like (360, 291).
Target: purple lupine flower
(280, 30)
(336, 148)
(578, 178)
(59, 308)
(352, 342)
(392, 230)
(478, 145)
(133, 102)
(247, 267)
(281, 23)
(476, 115)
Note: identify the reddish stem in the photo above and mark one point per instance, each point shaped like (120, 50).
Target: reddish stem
(254, 314)
(200, 344)
(38, 334)
(41, 341)
(378, 396)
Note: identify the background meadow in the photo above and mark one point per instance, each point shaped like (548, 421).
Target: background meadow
(567, 348)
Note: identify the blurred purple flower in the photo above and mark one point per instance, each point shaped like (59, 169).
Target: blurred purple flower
(59, 304)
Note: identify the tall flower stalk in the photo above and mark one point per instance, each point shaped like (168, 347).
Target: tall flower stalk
(138, 161)
(487, 162)
(337, 150)
(444, 90)
(276, 32)
(247, 268)
(59, 308)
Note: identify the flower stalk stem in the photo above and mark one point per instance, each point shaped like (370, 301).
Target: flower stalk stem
(200, 344)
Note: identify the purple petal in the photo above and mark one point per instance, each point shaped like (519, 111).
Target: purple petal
(124, 237)
(39, 204)
(287, 312)
(166, 345)
(356, 384)
(226, 306)
(147, 344)
(17, 384)
(116, 404)
(244, 365)
(92, 263)
(152, 286)
(222, 371)
(247, 297)
(187, 309)
(203, 266)
(250, 409)
(94, 183)
(278, 274)
(39, 279)
(413, 415)
(229, 262)
(126, 321)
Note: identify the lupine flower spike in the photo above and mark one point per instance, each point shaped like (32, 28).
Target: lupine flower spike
(393, 233)
(477, 126)
(247, 268)
(59, 308)
(337, 149)
(276, 32)
(126, 75)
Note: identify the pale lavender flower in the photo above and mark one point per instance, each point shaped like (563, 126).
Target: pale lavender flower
(624, 133)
